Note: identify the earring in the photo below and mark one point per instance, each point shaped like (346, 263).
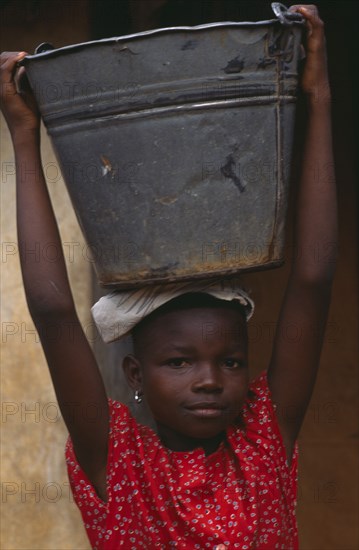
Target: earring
(138, 397)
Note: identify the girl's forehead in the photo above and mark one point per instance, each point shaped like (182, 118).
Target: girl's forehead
(195, 327)
(187, 320)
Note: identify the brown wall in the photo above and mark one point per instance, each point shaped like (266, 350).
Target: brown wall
(32, 450)
(37, 510)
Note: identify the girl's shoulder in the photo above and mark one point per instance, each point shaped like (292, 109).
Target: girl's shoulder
(259, 411)
(126, 431)
(258, 396)
(259, 434)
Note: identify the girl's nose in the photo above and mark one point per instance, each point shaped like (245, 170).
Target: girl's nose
(207, 377)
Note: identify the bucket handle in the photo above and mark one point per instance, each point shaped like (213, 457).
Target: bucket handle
(285, 16)
(44, 47)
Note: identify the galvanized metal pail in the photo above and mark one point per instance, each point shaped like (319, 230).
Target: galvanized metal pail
(175, 145)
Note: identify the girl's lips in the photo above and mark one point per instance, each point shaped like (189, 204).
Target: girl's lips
(209, 412)
(209, 409)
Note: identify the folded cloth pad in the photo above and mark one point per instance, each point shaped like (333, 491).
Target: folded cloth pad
(118, 312)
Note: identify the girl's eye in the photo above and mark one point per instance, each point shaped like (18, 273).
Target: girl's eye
(178, 362)
(233, 363)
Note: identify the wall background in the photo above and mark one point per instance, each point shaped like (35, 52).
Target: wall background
(36, 503)
(37, 509)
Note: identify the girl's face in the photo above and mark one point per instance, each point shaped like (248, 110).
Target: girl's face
(191, 366)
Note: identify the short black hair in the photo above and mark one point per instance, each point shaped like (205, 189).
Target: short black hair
(189, 300)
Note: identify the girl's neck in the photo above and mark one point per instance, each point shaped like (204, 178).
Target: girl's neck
(181, 443)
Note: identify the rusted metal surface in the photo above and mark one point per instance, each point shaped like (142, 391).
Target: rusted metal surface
(175, 146)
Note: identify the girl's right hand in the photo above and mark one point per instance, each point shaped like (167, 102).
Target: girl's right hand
(18, 107)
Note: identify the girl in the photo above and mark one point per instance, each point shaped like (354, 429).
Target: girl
(221, 470)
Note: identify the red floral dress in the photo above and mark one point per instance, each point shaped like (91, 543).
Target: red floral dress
(242, 496)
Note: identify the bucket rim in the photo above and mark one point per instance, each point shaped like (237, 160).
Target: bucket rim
(50, 51)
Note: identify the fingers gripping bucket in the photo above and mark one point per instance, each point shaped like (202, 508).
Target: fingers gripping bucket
(175, 145)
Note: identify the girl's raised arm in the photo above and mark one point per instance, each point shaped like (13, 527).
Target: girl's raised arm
(73, 368)
(293, 368)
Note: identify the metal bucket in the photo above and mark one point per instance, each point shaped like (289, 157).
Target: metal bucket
(175, 145)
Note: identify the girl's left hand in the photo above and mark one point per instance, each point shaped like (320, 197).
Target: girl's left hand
(314, 81)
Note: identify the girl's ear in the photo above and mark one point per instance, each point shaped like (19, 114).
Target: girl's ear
(133, 371)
